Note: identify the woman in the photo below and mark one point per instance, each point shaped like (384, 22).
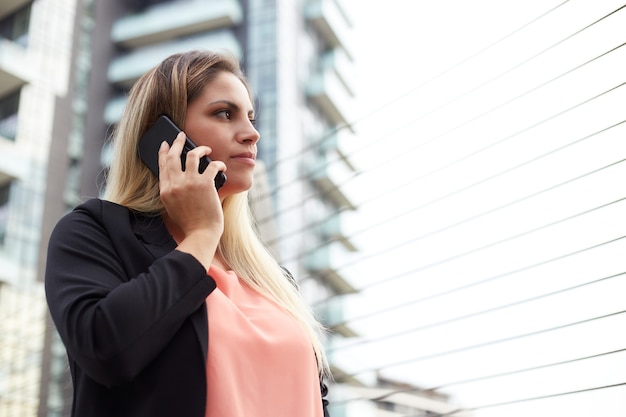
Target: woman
(167, 302)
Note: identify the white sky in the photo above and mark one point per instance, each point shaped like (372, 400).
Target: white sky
(400, 46)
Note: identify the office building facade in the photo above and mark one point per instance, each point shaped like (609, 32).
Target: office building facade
(65, 66)
(37, 47)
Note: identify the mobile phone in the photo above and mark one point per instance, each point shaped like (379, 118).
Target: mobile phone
(166, 130)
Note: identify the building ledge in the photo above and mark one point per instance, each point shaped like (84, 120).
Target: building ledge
(169, 21)
(330, 21)
(16, 68)
(333, 279)
(331, 96)
(126, 69)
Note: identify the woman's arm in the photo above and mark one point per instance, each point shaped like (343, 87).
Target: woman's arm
(112, 324)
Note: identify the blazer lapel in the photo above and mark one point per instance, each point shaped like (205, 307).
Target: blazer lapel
(155, 237)
(151, 231)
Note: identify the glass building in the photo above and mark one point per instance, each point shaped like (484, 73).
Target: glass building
(36, 59)
(65, 67)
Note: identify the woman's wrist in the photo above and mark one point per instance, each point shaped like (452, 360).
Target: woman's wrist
(201, 245)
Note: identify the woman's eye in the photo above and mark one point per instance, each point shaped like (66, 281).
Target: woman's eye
(224, 113)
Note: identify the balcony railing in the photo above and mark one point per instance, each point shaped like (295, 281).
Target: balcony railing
(113, 110)
(329, 93)
(16, 68)
(328, 175)
(337, 61)
(12, 163)
(8, 127)
(126, 69)
(322, 261)
(168, 21)
(330, 21)
(331, 314)
(332, 231)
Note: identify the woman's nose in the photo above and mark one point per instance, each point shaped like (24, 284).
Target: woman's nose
(251, 134)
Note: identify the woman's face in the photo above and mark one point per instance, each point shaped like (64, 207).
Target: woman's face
(221, 117)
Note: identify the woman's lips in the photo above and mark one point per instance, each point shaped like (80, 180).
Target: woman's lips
(247, 157)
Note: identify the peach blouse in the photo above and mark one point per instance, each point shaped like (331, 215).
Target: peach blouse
(260, 361)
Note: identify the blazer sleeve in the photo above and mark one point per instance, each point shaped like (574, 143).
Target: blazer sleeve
(113, 325)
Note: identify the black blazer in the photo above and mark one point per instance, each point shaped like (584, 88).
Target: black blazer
(131, 312)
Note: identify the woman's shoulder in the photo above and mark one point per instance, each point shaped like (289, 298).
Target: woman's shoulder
(94, 210)
(99, 207)
(119, 220)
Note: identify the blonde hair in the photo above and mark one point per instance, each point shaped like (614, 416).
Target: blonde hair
(168, 89)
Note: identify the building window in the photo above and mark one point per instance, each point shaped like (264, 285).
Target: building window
(4, 210)
(8, 114)
(15, 26)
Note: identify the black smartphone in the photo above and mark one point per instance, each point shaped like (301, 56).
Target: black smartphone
(166, 130)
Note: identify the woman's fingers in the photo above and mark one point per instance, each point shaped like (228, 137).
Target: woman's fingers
(173, 155)
(195, 156)
(170, 165)
(162, 155)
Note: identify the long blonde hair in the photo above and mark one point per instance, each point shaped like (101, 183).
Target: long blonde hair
(168, 89)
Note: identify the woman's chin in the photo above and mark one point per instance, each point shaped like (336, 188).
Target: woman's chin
(234, 187)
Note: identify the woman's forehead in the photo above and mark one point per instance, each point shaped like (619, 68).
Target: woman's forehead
(227, 86)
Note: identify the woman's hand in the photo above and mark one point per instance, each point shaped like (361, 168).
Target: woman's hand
(194, 210)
